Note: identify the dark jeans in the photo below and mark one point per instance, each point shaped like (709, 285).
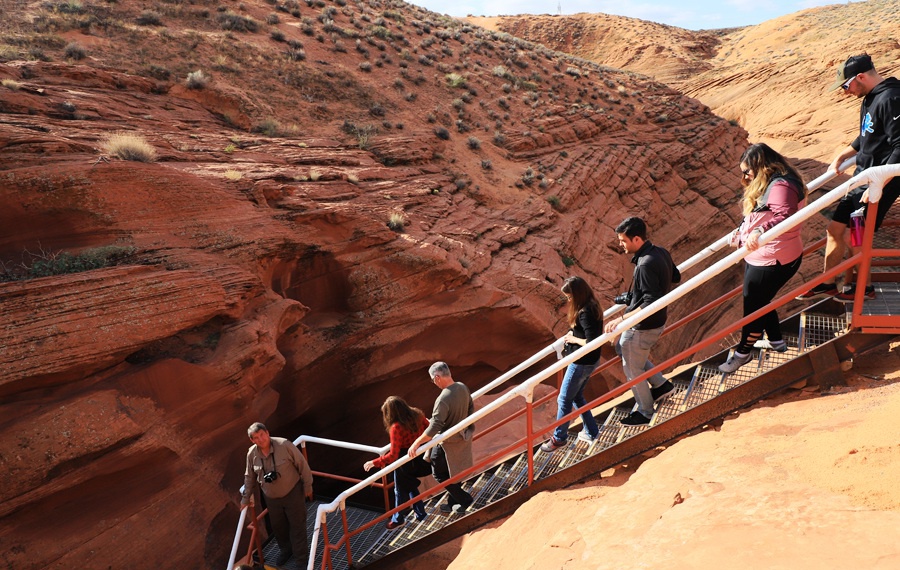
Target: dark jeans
(288, 517)
(761, 283)
(441, 472)
(406, 486)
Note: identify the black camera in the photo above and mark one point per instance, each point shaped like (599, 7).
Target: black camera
(623, 298)
(270, 476)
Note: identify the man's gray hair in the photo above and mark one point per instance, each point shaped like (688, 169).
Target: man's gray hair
(439, 369)
(255, 427)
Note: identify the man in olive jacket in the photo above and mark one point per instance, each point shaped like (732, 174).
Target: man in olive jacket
(454, 454)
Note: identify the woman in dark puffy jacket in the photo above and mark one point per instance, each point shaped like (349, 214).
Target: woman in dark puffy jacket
(585, 320)
(773, 190)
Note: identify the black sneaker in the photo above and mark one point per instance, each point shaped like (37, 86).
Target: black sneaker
(635, 419)
(283, 557)
(849, 292)
(662, 391)
(820, 290)
(446, 508)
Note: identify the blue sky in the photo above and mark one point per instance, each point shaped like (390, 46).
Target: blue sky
(693, 14)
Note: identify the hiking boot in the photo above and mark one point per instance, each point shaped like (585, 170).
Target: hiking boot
(552, 445)
(662, 391)
(461, 508)
(820, 290)
(765, 344)
(735, 361)
(635, 419)
(849, 292)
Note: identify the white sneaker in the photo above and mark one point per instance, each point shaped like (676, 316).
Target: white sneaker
(585, 436)
(735, 361)
(765, 344)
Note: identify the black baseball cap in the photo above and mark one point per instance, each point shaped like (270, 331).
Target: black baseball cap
(854, 65)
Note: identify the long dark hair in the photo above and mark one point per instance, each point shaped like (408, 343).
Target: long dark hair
(396, 410)
(766, 164)
(580, 297)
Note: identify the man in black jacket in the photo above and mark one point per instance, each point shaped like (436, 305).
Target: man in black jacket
(654, 273)
(878, 143)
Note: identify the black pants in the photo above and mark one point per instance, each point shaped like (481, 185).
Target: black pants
(761, 283)
(288, 517)
(441, 472)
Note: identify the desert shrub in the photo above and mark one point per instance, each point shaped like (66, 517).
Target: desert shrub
(129, 146)
(236, 23)
(474, 143)
(554, 201)
(269, 127)
(196, 80)
(233, 175)
(75, 51)
(277, 35)
(486, 164)
(11, 84)
(376, 110)
(499, 138)
(365, 66)
(46, 264)
(455, 80)
(397, 221)
(149, 18)
(273, 19)
(442, 133)
(295, 54)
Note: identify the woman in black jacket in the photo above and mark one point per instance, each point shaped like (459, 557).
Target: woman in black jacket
(585, 324)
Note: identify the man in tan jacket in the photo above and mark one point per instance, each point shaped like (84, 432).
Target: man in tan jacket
(279, 470)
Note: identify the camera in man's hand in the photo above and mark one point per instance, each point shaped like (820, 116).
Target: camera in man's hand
(270, 476)
(623, 298)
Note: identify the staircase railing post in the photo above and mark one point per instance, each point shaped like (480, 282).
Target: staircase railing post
(326, 548)
(346, 535)
(865, 263)
(529, 433)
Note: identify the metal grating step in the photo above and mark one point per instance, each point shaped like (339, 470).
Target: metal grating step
(886, 302)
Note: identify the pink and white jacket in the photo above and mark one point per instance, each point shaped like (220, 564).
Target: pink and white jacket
(782, 198)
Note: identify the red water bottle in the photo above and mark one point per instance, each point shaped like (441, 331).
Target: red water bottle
(857, 226)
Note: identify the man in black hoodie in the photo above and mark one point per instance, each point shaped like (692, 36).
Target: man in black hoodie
(878, 143)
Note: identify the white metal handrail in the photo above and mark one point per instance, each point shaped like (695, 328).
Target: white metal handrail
(876, 177)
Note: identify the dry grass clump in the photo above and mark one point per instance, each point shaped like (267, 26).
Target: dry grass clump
(196, 79)
(11, 84)
(397, 220)
(233, 175)
(129, 146)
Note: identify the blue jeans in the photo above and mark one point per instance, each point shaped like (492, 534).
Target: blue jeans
(572, 392)
(634, 348)
(406, 486)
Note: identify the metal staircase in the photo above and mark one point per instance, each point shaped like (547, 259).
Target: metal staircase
(499, 489)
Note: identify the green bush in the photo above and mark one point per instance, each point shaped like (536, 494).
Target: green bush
(46, 264)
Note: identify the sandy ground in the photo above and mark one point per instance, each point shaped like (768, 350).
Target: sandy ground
(802, 480)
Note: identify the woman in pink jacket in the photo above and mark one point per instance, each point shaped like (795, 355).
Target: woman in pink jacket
(773, 190)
